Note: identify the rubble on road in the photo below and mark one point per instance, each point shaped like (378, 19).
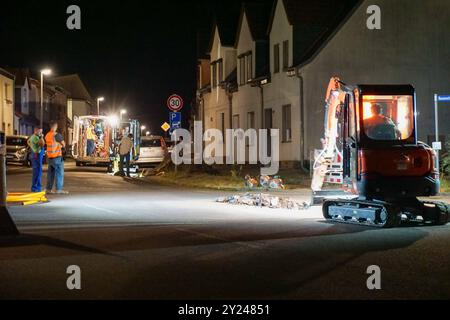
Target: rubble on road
(266, 182)
(264, 200)
(158, 170)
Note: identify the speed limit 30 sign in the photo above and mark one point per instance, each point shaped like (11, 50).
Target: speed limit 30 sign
(175, 103)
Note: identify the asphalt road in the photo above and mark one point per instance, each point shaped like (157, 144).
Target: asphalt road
(134, 240)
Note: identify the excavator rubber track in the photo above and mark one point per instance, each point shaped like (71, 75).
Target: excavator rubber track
(381, 214)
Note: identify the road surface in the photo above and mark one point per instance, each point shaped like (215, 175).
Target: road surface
(135, 240)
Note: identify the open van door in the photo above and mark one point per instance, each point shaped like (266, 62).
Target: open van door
(75, 137)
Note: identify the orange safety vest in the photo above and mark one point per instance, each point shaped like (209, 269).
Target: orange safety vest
(53, 147)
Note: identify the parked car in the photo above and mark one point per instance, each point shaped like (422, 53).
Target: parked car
(17, 150)
(153, 150)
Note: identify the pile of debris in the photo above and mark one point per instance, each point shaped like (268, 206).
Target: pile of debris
(265, 182)
(264, 200)
(158, 170)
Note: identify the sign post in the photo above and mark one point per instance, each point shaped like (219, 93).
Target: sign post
(436, 126)
(165, 126)
(175, 103)
(437, 144)
(175, 121)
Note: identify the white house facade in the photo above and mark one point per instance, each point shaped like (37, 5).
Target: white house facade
(7, 102)
(218, 102)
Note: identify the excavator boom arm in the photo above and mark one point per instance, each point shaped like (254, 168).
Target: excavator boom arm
(335, 98)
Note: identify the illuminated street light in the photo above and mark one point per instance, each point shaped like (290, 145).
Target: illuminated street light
(113, 120)
(122, 112)
(99, 99)
(44, 72)
(143, 128)
(147, 133)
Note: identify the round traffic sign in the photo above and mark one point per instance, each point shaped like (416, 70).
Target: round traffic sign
(175, 103)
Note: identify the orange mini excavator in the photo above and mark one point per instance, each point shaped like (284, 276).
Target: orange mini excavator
(370, 150)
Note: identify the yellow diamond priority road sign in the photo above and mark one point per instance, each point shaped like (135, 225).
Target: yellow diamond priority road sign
(165, 126)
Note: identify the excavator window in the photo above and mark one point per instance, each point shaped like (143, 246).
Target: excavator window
(388, 117)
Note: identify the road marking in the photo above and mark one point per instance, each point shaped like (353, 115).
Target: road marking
(209, 236)
(101, 209)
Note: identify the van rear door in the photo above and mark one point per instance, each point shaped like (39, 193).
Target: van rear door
(75, 137)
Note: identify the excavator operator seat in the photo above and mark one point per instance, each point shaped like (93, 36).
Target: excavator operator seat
(386, 131)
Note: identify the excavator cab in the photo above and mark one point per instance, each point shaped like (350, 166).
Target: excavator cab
(392, 164)
(371, 144)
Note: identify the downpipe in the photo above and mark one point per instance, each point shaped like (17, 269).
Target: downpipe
(302, 123)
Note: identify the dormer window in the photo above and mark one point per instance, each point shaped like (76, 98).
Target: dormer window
(285, 55)
(245, 67)
(276, 58)
(220, 70)
(217, 72)
(249, 59)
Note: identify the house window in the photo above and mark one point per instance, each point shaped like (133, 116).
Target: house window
(276, 58)
(249, 66)
(217, 72)
(285, 54)
(214, 74)
(251, 120)
(220, 71)
(287, 129)
(242, 70)
(222, 122)
(245, 67)
(236, 121)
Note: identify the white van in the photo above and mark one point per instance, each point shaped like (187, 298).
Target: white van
(153, 150)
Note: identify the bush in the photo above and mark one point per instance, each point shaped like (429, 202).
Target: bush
(446, 158)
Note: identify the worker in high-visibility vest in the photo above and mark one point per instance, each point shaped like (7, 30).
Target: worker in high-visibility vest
(55, 174)
(36, 143)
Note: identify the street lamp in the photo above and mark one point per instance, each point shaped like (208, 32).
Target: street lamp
(122, 112)
(147, 133)
(113, 121)
(143, 128)
(44, 72)
(99, 99)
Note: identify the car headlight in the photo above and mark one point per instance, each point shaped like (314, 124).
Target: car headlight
(21, 152)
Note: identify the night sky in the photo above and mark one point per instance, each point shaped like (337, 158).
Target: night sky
(135, 53)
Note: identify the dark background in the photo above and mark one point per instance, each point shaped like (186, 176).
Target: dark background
(135, 53)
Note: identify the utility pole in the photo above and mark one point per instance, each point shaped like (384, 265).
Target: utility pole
(44, 72)
(99, 99)
(7, 226)
(436, 123)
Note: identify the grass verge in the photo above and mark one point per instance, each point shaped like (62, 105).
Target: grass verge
(445, 185)
(200, 180)
(227, 179)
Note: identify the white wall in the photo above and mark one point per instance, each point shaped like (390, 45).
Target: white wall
(217, 101)
(7, 105)
(247, 99)
(283, 90)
